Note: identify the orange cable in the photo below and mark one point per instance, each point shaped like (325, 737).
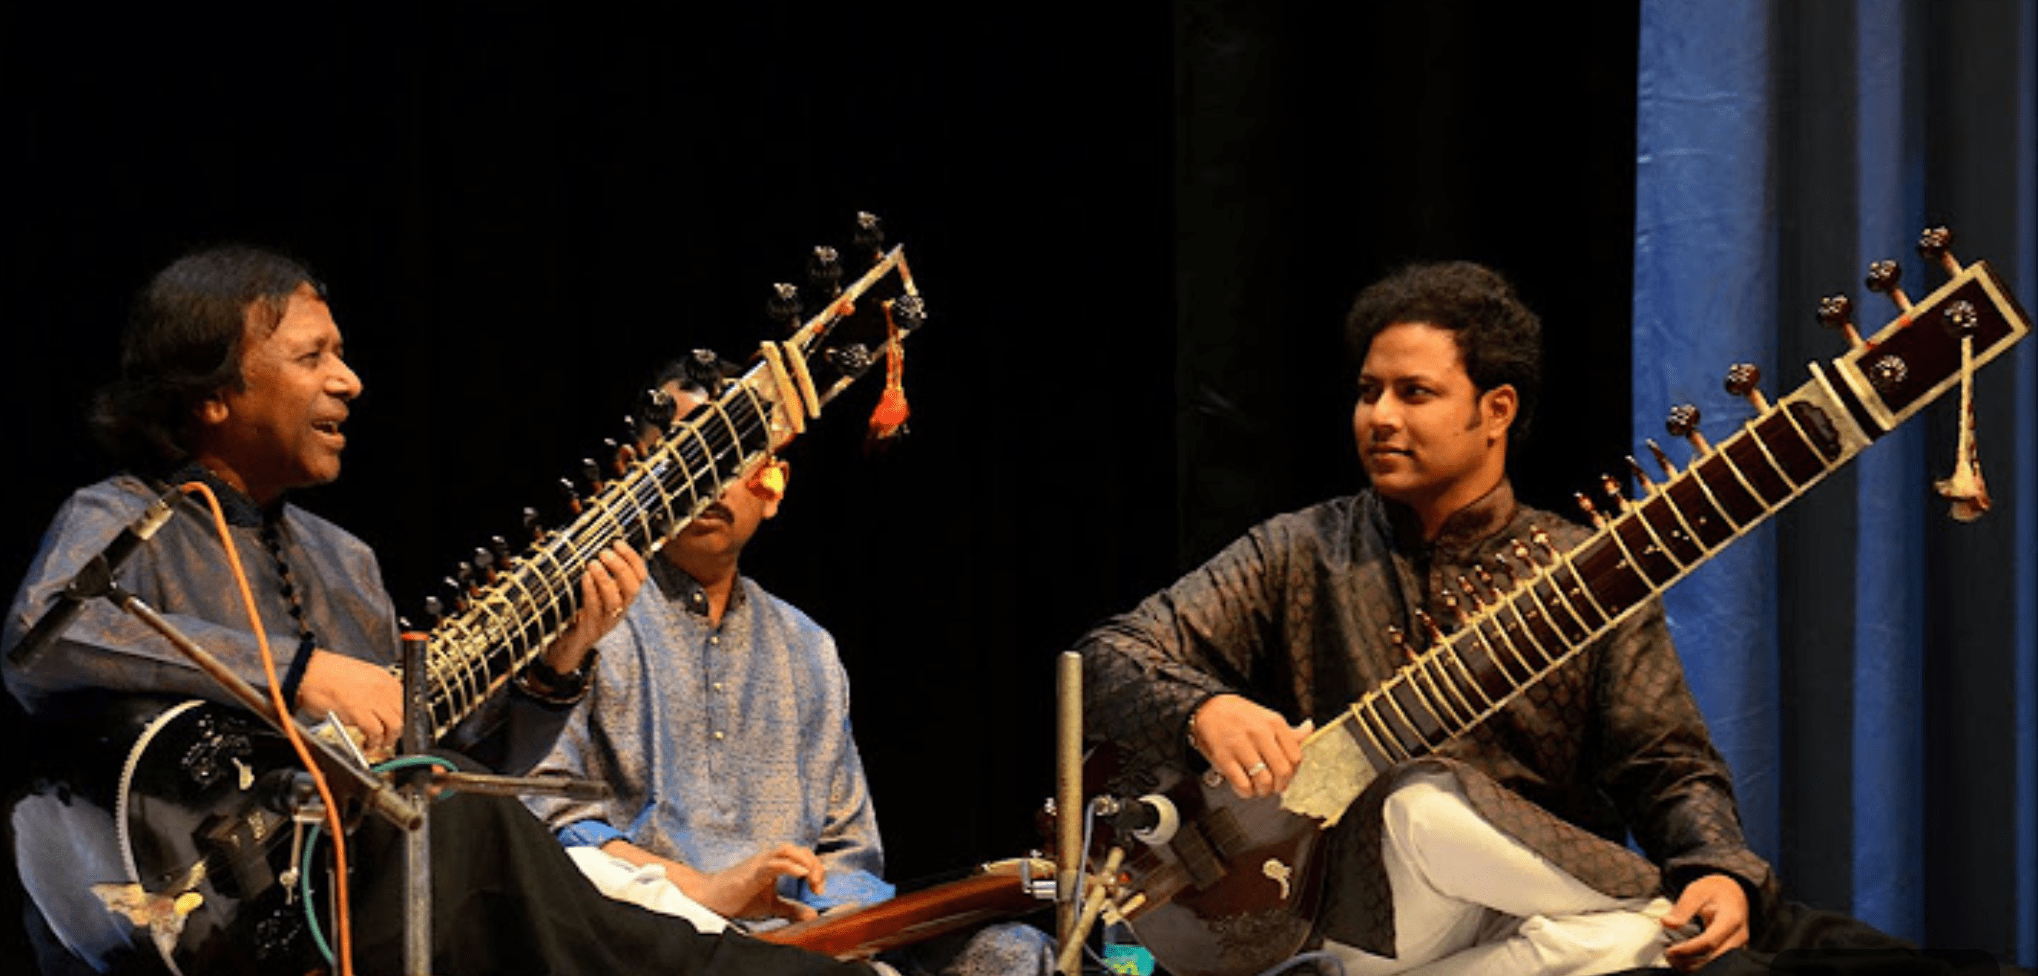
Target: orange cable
(325, 795)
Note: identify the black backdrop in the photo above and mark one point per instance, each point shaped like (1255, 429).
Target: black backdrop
(1136, 224)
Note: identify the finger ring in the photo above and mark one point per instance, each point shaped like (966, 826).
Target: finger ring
(1256, 768)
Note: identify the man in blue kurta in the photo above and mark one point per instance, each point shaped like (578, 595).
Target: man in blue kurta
(719, 715)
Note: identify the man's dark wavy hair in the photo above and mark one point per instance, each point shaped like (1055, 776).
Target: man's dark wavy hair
(183, 344)
(1498, 337)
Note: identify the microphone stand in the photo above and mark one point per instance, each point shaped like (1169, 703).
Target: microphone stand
(416, 784)
(1068, 849)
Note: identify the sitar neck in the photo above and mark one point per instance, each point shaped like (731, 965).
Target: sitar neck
(523, 606)
(534, 601)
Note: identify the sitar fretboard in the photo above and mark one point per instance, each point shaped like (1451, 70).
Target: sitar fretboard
(535, 599)
(512, 616)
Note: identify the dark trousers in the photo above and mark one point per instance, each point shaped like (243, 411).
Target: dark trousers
(507, 900)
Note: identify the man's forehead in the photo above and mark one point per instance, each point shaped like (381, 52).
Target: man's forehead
(266, 316)
(1415, 348)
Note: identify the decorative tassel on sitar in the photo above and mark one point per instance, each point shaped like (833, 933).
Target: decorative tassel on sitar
(889, 419)
(1965, 487)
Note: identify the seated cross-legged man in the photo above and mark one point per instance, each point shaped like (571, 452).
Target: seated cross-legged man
(719, 715)
(1502, 851)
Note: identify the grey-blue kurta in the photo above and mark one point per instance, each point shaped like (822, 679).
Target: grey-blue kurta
(721, 741)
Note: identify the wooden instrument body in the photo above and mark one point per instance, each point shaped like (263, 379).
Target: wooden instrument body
(995, 893)
(1236, 890)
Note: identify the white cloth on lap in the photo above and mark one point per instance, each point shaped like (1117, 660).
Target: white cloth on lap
(645, 886)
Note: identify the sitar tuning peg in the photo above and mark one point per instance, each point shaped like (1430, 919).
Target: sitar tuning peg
(1612, 486)
(500, 546)
(1585, 505)
(620, 456)
(1399, 641)
(530, 518)
(1503, 568)
(1641, 476)
(456, 593)
(850, 360)
(1835, 312)
(784, 305)
(435, 611)
(1741, 380)
(572, 494)
(1683, 422)
(591, 473)
(1541, 537)
(1960, 319)
(870, 233)
(1434, 633)
(703, 368)
(1883, 276)
(1471, 591)
(1662, 460)
(1888, 374)
(824, 271)
(484, 565)
(1485, 578)
(1935, 245)
(909, 311)
(468, 578)
(658, 409)
(643, 436)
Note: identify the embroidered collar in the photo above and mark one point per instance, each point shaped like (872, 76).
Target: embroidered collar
(240, 509)
(1464, 528)
(687, 592)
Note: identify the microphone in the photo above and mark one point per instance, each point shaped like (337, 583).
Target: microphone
(95, 579)
(1151, 819)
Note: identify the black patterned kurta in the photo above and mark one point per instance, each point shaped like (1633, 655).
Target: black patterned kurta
(1294, 615)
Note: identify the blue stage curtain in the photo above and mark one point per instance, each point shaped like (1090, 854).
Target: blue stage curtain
(1869, 666)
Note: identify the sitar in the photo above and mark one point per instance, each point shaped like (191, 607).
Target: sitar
(991, 892)
(175, 830)
(1236, 889)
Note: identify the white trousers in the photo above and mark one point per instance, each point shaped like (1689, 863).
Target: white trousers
(1469, 900)
(645, 886)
